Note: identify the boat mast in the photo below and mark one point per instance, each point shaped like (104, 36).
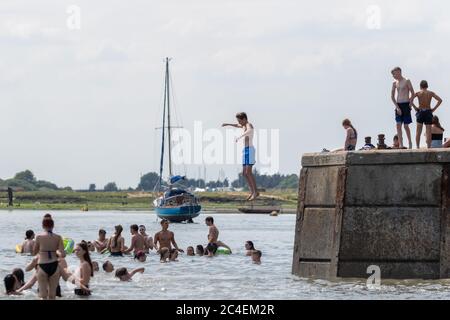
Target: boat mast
(168, 116)
(161, 164)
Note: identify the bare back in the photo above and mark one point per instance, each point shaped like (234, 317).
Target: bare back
(213, 234)
(46, 246)
(425, 98)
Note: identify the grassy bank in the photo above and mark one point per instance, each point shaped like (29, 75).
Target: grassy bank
(127, 201)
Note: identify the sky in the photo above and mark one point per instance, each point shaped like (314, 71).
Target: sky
(81, 82)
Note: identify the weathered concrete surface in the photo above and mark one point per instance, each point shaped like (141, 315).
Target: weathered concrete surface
(388, 208)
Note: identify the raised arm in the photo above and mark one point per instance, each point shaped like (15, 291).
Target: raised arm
(231, 125)
(139, 270)
(439, 101)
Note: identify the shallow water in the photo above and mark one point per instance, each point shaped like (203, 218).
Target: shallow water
(222, 277)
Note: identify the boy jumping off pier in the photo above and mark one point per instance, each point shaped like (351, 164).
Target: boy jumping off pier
(248, 153)
(424, 111)
(403, 88)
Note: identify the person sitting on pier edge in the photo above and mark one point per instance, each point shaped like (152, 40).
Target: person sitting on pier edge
(437, 133)
(368, 144)
(350, 139)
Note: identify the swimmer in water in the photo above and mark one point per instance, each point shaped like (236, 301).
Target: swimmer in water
(250, 248)
(108, 267)
(20, 276)
(256, 257)
(95, 266)
(199, 250)
(102, 242)
(10, 282)
(213, 234)
(165, 238)
(149, 245)
(116, 243)
(140, 256)
(48, 246)
(190, 251)
(164, 255)
(86, 269)
(137, 241)
(124, 275)
(212, 249)
(28, 244)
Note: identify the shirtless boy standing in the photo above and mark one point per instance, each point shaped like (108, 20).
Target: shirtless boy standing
(213, 234)
(165, 238)
(424, 111)
(404, 90)
(137, 241)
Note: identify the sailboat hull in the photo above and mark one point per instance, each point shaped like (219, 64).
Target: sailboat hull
(178, 214)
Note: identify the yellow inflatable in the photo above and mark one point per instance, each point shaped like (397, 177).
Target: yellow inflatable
(19, 248)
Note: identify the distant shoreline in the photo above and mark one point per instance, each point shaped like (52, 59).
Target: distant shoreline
(223, 202)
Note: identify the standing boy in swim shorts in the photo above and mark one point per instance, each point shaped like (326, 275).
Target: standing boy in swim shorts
(248, 153)
(404, 90)
(424, 111)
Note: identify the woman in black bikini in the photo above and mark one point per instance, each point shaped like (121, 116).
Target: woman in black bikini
(47, 245)
(116, 243)
(86, 268)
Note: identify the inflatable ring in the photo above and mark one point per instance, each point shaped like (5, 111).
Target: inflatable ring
(69, 245)
(222, 250)
(19, 248)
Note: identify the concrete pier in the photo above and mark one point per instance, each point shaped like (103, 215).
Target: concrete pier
(385, 208)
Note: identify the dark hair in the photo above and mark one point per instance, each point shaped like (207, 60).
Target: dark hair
(437, 123)
(121, 272)
(251, 245)
(139, 254)
(101, 231)
(134, 227)
(47, 222)
(241, 116)
(424, 84)
(19, 275)
(119, 230)
(396, 69)
(210, 219)
(105, 264)
(396, 137)
(164, 221)
(10, 283)
(212, 247)
(347, 122)
(86, 255)
(258, 253)
(142, 226)
(29, 234)
(200, 248)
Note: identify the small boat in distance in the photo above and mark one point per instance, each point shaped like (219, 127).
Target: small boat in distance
(175, 204)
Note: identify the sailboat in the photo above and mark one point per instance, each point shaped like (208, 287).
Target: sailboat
(176, 204)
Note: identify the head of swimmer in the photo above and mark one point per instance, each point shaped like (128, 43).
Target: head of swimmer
(165, 224)
(141, 256)
(142, 230)
(423, 85)
(29, 235)
(209, 221)
(249, 245)
(134, 229)
(122, 274)
(108, 266)
(101, 234)
(256, 256)
(397, 73)
(242, 119)
(190, 251)
(47, 223)
(199, 250)
(10, 283)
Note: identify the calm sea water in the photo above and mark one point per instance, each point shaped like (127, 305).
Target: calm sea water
(222, 277)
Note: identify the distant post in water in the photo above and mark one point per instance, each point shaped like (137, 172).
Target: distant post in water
(10, 197)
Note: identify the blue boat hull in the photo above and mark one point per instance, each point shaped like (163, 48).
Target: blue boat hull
(178, 214)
